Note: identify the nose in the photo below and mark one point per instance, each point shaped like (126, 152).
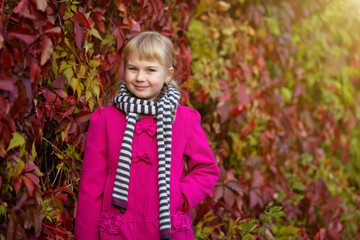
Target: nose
(140, 77)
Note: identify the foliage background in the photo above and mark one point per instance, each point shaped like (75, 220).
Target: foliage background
(276, 83)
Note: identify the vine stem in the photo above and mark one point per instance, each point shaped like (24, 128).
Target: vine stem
(1, 10)
(54, 146)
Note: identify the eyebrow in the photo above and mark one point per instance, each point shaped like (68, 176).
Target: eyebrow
(134, 65)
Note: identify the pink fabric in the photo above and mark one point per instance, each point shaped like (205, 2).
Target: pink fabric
(97, 218)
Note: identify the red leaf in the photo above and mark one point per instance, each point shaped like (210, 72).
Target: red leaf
(61, 93)
(17, 184)
(83, 116)
(7, 60)
(80, 17)
(230, 175)
(28, 184)
(233, 185)
(237, 109)
(62, 197)
(223, 109)
(218, 192)
(241, 94)
(72, 127)
(35, 71)
(47, 50)
(222, 177)
(29, 167)
(99, 19)
(33, 178)
(261, 62)
(58, 83)
(257, 179)
(135, 26)
(255, 198)
(229, 197)
(20, 7)
(49, 96)
(321, 235)
(240, 203)
(79, 34)
(6, 83)
(54, 30)
(269, 134)
(119, 36)
(23, 35)
(71, 100)
(251, 125)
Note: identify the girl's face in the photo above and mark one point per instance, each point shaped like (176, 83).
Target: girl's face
(145, 78)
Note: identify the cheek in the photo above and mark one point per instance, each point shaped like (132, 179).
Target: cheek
(127, 77)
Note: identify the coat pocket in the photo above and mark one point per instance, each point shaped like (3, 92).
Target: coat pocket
(112, 223)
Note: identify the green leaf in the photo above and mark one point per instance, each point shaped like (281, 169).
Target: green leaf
(3, 211)
(286, 93)
(16, 141)
(33, 151)
(207, 230)
(94, 63)
(248, 237)
(298, 186)
(74, 8)
(19, 168)
(306, 158)
(95, 33)
(273, 25)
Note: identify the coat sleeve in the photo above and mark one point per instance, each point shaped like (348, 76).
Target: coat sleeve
(203, 171)
(93, 177)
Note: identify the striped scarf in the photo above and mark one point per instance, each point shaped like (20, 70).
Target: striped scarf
(164, 110)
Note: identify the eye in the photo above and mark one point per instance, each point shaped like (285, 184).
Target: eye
(151, 70)
(132, 68)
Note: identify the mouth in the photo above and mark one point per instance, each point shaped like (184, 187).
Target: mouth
(140, 87)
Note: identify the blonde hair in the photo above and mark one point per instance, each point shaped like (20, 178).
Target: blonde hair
(151, 46)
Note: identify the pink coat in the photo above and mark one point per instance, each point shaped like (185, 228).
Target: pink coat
(97, 218)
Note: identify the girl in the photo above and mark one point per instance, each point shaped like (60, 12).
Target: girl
(134, 183)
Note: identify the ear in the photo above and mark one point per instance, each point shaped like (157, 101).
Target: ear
(171, 72)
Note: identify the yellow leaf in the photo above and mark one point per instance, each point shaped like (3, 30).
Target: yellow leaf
(82, 72)
(33, 151)
(94, 63)
(95, 33)
(16, 141)
(19, 168)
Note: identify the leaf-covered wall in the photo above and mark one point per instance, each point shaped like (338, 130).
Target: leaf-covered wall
(276, 83)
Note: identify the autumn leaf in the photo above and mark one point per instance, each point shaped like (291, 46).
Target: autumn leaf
(41, 4)
(47, 50)
(81, 18)
(6, 83)
(29, 184)
(16, 141)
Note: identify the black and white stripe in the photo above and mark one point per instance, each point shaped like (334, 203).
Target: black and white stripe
(165, 111)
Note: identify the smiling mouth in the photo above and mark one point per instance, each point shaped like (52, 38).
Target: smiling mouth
(140, 87)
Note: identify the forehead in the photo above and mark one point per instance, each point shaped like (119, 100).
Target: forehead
(143, 62)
